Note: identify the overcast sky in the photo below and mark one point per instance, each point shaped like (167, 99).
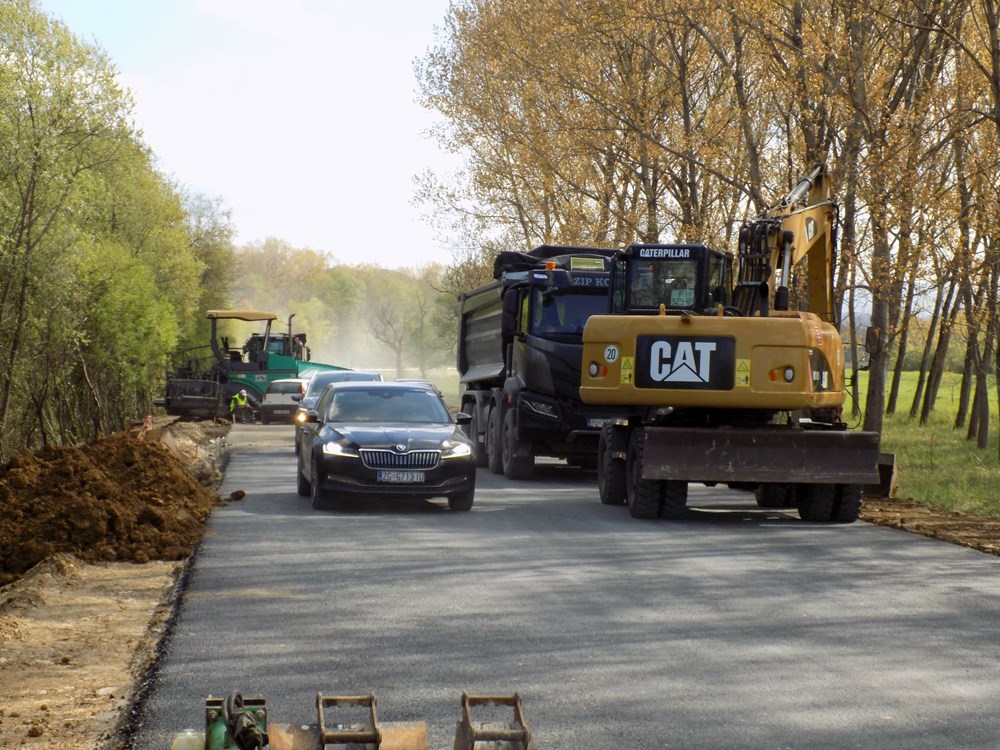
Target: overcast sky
(298, 114)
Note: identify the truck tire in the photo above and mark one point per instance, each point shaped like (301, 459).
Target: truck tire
(494, 455)
(472, 430)
(642, 495)
(815, 502)
(611, 474)
(847, 503)
(771, 495)
(675, 498)
(516, 465)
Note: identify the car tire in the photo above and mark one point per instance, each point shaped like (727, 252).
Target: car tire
(320, 497)
(304, 487)
(462, 501)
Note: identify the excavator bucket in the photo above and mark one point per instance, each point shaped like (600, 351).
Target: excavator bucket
(887, 478)
(349, 722)
(514, 734)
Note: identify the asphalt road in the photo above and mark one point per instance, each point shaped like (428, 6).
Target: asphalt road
(736, 628)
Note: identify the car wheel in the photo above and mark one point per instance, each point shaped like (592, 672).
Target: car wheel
(320, 497)
(304, 486)
(461, 501)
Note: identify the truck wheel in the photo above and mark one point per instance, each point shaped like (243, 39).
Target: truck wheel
(515, 464)
(815, 502)
(770, 495)
(642, 495)
(847, 503)
(611, 471)
(494, 456)
(675, 498)
(473, 433)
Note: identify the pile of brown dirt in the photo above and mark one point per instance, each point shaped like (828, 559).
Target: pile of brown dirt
(118, 499)
(978, 532)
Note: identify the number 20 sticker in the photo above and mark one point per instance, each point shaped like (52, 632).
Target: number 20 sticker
(611, 354)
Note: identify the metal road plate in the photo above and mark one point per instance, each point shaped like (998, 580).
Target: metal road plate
(401, 477)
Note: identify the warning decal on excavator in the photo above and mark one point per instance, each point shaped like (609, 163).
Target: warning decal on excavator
(743, 372)
(628, 370)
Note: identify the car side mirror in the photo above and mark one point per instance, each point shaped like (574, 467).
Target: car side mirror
(463, 418)
(296, 397)
(310, 416)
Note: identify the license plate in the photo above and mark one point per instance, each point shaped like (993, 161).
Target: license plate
(401, 476)
(282, 411)
(594, 422)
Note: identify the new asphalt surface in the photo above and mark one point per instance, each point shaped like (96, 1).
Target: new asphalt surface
(733, 628)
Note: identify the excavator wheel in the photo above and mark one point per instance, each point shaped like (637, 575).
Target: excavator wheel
(846, 503)
(611, 473)
(815, 502)
(675, 497)
(642, 495)
(770, 495)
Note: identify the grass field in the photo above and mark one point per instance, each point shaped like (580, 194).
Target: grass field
(936, 464)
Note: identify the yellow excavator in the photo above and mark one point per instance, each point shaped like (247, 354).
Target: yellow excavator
(739, 383)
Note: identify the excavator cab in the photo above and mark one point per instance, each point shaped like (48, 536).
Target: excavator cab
(683, 278)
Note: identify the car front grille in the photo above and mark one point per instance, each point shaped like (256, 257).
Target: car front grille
(380, 458)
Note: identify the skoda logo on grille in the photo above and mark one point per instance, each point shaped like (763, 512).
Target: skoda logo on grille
(400, 448)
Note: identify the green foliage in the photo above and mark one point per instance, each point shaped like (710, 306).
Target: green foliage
(101, 270)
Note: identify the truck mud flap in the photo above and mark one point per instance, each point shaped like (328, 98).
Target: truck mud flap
(761, 455)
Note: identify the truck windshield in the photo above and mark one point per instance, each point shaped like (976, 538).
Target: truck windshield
(669, 282)
(564, 312)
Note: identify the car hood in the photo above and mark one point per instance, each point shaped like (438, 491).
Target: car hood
(393, 435)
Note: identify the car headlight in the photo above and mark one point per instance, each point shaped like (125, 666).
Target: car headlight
(339, 449)
(455, 449)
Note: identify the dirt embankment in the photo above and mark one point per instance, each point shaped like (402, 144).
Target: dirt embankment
(92, 541)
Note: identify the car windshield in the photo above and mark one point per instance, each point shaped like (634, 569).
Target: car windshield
(374, 405)
(321, 380)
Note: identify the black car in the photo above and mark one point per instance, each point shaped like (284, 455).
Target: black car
(385, 439)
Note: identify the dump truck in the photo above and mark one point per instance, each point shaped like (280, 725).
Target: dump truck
(519, 347)
(739, 383)
(203, 383)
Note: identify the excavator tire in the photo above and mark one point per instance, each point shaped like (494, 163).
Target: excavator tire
(611, 474)
(675, 497)
(642, 495)
(771, 495)
(847, 503)
(815, 502)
